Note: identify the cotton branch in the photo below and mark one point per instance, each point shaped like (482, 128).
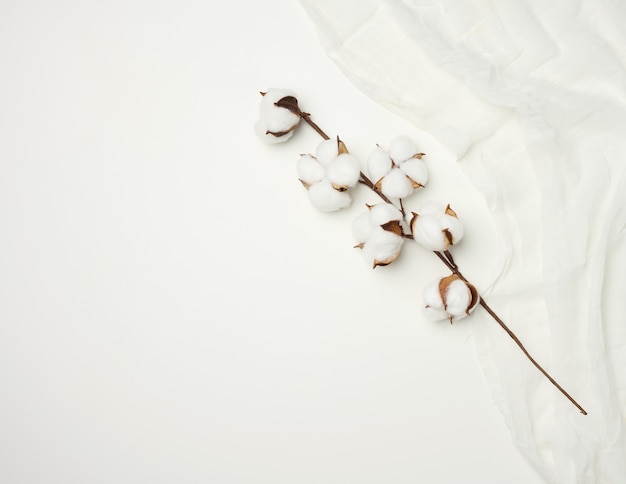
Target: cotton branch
(448, 260)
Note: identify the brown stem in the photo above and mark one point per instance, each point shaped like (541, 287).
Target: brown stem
(309, 121)
(368, 183)
(448, 254)
(448, 260)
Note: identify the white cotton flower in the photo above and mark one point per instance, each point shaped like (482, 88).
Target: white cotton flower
(279, 115)
(378, 164)
(402, 148)
(436, 226)
(326, 198)
(382, 213)
(343, 171)
(450, 298)
(379, 234)
(328, 175)
(310, 170)
(398, 172)
(395, 184)
(328, 150)
(383, 247)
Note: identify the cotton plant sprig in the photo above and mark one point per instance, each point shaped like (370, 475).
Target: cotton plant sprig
(395, 174)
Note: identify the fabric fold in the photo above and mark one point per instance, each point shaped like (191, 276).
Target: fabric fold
(531, 96)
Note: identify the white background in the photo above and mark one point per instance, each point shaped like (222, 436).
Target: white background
(172, 309)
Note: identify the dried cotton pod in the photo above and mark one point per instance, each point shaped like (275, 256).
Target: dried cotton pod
(400, 171)
(328, 175)
(436, 227)
(379, 234)
(450, 298)
(279, 115)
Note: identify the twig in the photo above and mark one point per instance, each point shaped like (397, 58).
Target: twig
(309, 121)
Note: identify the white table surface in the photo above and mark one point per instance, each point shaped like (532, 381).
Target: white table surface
(172, 309)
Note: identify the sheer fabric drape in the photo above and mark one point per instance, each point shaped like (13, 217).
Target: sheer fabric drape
(531, 96)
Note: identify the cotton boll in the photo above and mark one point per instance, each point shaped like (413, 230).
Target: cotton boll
(416, 170)
(324, 197)
(396, 184)
(436, 226)
(309, 170)
(384, 212)
(449, 298)
(280, 120)
(343, 171)
(379, 234)
(402, 148)
(277, 123)
(427, 232)
(378, 164)
(382, 247)
(269, 109)
(328, 175)
(398, 173)
(277, 118)
(458, 298)
(327, 151)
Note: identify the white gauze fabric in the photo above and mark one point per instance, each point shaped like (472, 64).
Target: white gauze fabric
(531, 96)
